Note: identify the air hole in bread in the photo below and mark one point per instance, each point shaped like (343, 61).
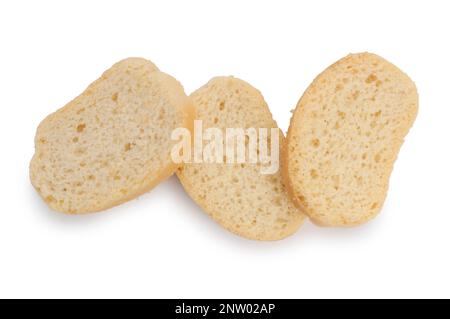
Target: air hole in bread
(315, 142)
(81, 127)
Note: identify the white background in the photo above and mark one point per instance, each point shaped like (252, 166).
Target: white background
(163, 245)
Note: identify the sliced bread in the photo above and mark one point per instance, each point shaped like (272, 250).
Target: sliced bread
(344, 137)
(111, 143)
(238, 195)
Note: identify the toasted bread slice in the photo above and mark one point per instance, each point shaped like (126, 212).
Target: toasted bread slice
(111, 143)
(344, 137)
(238, 195)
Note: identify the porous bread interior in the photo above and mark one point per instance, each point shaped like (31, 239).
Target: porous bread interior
(111, 143)
(238, 196)
(344, 137)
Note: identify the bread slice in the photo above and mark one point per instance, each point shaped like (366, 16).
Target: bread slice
(344, 137)
(111, 143)
(238, 196)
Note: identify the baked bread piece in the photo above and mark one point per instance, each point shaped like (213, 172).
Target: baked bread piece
(344, 137)
(111, 143)
(238, 196)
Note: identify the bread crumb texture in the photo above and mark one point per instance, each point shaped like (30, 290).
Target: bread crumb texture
(111, 143)
(238, 196)
(344, 137)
